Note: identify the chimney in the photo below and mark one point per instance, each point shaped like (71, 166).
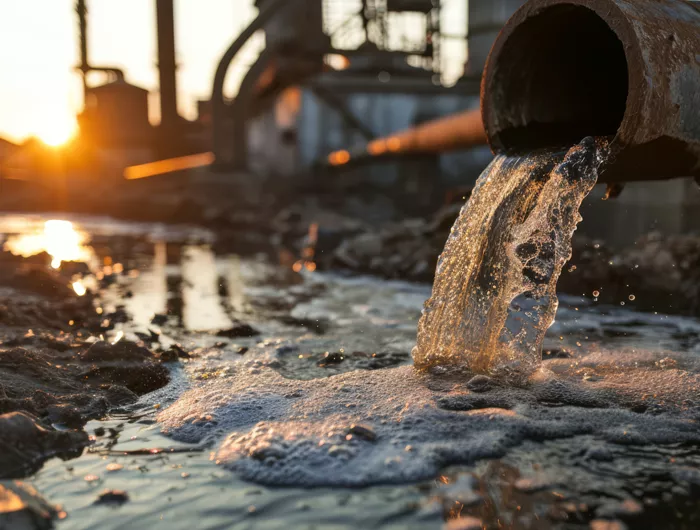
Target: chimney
(166, 62)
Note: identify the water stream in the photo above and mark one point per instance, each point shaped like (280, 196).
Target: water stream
(494, 295)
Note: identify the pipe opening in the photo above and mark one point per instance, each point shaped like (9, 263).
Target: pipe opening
(561, 76)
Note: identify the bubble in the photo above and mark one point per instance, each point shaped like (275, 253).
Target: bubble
(261, 436)
(596, 293)
(622, 303)
(632, 298)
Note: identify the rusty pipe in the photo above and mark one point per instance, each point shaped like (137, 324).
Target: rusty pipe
(561, 70)
(457, 131)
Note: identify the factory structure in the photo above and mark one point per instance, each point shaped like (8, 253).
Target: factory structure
(362, 70)
(332, 74)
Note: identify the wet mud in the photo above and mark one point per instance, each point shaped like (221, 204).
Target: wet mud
(319, 416)
(56, 370)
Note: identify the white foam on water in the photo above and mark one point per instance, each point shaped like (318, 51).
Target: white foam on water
(285, 432)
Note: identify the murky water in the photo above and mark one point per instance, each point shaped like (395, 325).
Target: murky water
(494, 295)
(336, 350)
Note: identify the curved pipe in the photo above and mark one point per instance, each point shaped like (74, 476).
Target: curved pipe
(561, 70)
(236, 156)
(458, 131)
(217, 95)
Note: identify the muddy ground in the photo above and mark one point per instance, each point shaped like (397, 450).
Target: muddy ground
(54, 370)
(72, 361)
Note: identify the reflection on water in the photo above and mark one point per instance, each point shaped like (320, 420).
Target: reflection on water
(158, 271)
(202, 310)
(58, 238)
(79, 287)
(150, 288)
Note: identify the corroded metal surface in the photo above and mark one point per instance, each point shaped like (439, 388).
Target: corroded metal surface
(557, 70)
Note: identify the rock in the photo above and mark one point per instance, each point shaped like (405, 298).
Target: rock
(26, 444)
(174, 354)
(140, 378)
(169, 356)
(22, 508)
(331, 358)
(362, 431)
(480, 383)
(238, 330)
(179, 351)
(159, 319)
(65, 414)
(112, 498)
(125, 364)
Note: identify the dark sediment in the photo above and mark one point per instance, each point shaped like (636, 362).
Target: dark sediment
(54, 370)
(26, 444)
(22, 508)
(656, 273)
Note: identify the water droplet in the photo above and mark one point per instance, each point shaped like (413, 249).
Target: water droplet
(622, 303)
(632, 297)
(596, 293)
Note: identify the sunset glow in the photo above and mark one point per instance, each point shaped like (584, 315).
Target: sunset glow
(58, 238)
(57, 130)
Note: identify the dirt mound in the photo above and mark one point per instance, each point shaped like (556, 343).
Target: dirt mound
(53, 372)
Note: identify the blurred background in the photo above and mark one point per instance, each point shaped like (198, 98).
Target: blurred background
(255, 103)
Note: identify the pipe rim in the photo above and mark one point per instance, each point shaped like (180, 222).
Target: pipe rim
(616, 20)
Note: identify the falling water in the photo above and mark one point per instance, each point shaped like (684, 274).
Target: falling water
(494, 295)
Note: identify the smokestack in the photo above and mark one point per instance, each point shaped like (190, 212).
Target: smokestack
(166, 62)
(84, 67)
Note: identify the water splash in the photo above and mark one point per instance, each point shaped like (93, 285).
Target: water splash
(494, 295)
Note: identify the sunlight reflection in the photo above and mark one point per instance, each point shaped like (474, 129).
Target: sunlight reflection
(79, 288)
(59, 239)
(57, 130)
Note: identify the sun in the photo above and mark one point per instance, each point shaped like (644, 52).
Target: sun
(56, 130)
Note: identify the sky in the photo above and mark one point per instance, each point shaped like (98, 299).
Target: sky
(39, 88)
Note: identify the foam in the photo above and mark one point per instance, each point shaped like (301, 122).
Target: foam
(284, 432)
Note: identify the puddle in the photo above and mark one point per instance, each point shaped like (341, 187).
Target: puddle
(314, 326)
